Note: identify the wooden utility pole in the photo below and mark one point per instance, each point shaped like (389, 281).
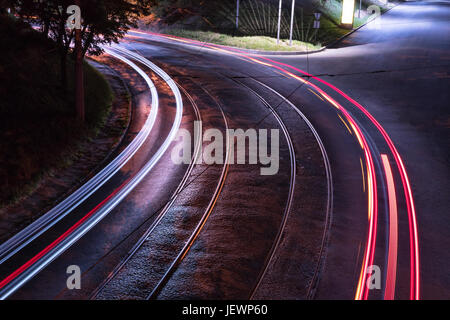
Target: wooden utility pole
(79, 85)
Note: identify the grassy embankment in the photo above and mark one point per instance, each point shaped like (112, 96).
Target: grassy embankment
(215, 23)
(249, 42)
(39, 132)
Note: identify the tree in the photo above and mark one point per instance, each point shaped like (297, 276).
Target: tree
(103, 22)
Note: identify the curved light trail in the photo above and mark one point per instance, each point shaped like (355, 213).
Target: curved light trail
(166, 208)
(362, 290)
(393, 231)
(329, 176)
(49, 219)
(198, 228)
(39, 261)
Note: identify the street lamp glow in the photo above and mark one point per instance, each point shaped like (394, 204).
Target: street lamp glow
(348, 9)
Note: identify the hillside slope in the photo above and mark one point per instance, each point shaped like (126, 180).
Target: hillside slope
(256, 18)
(38, 128)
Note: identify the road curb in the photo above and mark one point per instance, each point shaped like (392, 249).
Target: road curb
(277, 53)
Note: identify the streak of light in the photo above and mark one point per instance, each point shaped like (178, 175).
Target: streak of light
(363, 175)
(393, 231)
(32, 267)
(315, 94)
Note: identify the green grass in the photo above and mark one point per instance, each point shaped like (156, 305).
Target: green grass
(38, 129)
(258, 22)
(248, 42)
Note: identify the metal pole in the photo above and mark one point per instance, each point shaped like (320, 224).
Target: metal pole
(292, 23)
(359, 13)
(279, 22)
(237, 14)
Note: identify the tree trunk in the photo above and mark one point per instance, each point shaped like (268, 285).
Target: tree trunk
(79, 85)
(63, 70)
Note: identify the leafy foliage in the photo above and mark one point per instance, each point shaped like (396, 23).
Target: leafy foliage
(103, 21)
